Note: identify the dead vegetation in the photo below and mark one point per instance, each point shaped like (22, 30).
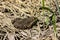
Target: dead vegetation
(23, 10)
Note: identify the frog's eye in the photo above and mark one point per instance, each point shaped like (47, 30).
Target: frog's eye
(12, 21)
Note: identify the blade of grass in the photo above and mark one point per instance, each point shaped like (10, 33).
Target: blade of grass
(47, 21)
(43, 4)
(46, 8)
(54, 23)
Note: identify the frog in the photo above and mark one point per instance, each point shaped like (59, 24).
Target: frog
(26, 23)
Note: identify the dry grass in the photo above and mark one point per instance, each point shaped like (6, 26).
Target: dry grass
(11, 9)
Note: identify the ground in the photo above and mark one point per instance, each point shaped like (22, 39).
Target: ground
(12, 9)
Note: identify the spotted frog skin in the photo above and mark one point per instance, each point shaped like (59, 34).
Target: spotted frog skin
(26, 23)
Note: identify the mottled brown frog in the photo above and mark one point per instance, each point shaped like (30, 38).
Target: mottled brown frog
(26, 23)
